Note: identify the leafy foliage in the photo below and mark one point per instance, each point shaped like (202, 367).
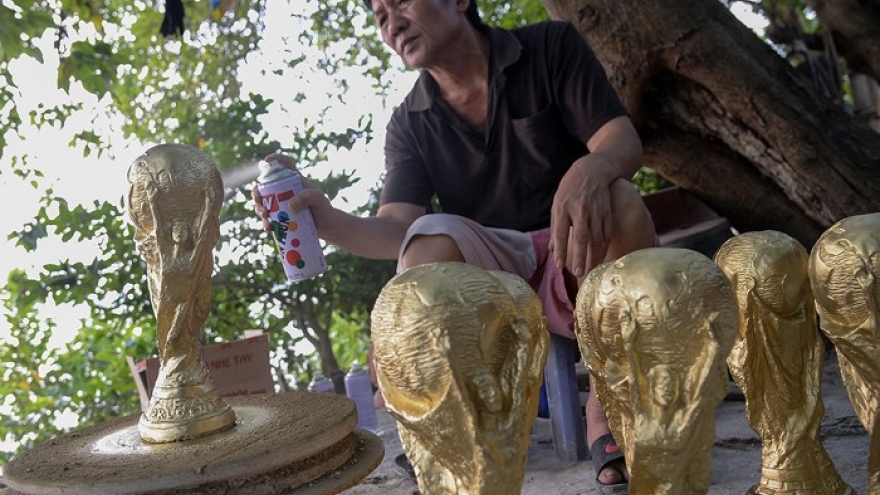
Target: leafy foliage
(647, 180)
(20, 23)
(41, 382)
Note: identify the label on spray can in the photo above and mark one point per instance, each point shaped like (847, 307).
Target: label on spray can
(359, 389)
(294, 231)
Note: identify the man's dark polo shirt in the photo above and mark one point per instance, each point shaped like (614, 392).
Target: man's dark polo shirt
(547, 95)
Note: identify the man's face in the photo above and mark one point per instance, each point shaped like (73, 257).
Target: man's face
(419, 30)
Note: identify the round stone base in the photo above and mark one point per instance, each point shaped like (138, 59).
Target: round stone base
(293, 443)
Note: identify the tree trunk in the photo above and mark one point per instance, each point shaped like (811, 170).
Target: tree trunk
(723, 116)
(855, 25)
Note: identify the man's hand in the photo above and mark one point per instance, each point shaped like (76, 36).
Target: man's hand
(309, 197)
(580, 220)
(581, 223)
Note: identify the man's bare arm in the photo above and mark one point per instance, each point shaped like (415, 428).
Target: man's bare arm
(377, 237)
(618, 147)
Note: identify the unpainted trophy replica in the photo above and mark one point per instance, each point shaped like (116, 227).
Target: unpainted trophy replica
(777, 361)
(459, 354)
(189, 440)
(655, 328)
(845, 276)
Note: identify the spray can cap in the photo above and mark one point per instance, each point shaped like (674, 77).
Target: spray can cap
(356, 368)
(273, 171)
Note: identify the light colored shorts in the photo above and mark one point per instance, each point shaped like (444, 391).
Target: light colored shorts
(522, 253)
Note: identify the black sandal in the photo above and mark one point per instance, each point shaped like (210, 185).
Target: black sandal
(404, 467)
(604, 451)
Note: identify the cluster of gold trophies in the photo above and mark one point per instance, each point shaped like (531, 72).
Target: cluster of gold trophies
(459, 354)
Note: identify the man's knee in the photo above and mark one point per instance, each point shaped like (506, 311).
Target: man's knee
(424, 248)
(633, 225)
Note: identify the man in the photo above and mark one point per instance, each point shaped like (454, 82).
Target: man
(528, 150)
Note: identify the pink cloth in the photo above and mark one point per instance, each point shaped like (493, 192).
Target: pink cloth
(549, 283)
(523, 254)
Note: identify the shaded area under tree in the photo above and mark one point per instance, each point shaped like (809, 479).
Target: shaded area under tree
(723, 116)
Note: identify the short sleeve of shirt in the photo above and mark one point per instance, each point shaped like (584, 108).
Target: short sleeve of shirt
(585, 98)
(406, 178)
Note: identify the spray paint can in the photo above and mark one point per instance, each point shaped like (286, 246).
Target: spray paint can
(294, 231)
(359, 389)
(321, 384)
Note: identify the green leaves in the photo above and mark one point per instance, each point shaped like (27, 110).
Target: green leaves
(29, 236)
(46, 380)
(512, 14)
(28, 19)
(348, 35)
(92, 64)
(647, 180)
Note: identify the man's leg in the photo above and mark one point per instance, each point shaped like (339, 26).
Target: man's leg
(424, 249)
(633, 230)
(443, 237)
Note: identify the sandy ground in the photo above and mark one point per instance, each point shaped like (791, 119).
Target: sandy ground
(736, 462)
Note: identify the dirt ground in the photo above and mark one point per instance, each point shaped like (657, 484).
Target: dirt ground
(736, 462)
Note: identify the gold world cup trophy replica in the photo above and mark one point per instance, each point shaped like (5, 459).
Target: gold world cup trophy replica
(459, 354)
(174, 205)
(655, 328)
(777, 361)
(845, 276)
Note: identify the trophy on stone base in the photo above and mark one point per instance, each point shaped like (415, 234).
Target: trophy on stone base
(174, 202)
(189, 440)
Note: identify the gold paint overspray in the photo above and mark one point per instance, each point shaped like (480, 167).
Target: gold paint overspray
(655, 328)
(459, 354)
(777, 361)
(174, 202)
(845, 276)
